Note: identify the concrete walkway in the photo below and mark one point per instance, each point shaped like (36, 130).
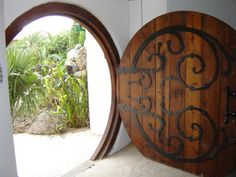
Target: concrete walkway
(53, 156)
(126, 163)
(67, 156)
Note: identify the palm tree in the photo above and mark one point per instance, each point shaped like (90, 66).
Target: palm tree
(25, 85)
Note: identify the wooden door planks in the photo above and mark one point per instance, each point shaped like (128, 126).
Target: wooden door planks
(191, 103)
(150, 91)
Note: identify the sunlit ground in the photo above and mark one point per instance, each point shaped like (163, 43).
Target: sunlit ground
(53, 156)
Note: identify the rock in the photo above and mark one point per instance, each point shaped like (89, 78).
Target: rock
(70, 62)
(45, 124)
(81, 59)
(76, 60)
(79, 74)
(21, 125)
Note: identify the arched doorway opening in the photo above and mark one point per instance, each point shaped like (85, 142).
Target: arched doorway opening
(96, 28)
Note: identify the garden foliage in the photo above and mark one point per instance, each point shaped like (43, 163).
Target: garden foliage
(38, 79)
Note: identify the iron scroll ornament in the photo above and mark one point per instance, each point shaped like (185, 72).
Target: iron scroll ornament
(145, 102)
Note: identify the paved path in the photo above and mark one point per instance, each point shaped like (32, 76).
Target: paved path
(53, 156)
(127, 163)
(67, 156)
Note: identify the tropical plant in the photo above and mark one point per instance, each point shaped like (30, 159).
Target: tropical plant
(77, 35)
(67, 96)
(59, 44)
(25, 86)
(36, 45)
(38, 79)
(77, 114)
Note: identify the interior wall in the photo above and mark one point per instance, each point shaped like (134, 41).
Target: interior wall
(142, 11)
(7, 157)
(99, 85)
(224, 10)
(135, 16)
(114, 16)
(153, 9)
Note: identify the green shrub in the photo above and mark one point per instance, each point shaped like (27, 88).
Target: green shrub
(38, 79)
(25, 86)
(77, 35)
(67, 96)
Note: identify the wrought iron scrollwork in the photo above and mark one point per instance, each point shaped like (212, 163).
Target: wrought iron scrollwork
(230, 115)
(176, 31)
(175, 154)
(145, 103)
(144, 80)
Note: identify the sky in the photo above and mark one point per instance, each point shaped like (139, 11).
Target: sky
(51, 24)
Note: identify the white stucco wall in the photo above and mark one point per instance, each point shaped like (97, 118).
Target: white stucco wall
(142, 11)
(114, 16)
(122, 18)
(99, 86)
(224, 10)
(7, 157)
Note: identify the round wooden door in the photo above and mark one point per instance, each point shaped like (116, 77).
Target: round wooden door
(177, 92)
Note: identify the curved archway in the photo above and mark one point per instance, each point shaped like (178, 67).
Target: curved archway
(104, 39)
